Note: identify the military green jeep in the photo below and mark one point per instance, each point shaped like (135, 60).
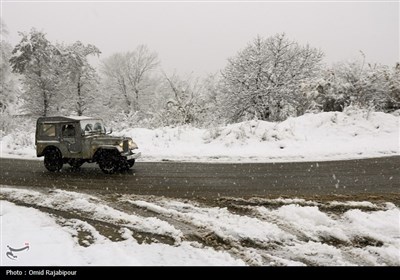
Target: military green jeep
(76, 140)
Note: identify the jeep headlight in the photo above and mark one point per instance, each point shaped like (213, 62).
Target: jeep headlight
(121, 144)
(132, 145)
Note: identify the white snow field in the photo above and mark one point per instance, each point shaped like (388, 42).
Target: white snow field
(60, 228)
(323, 136)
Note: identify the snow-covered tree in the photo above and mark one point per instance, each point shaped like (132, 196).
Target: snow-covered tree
(115, 82)
(39, 62)
(8, 83)
(81, 81)
(139, 65)
(185, 104)
(129, 74)
(211, 115)
(6, 80)
(394, 88)
(264, 79)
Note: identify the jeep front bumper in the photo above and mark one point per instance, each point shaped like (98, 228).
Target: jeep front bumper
(131, 155)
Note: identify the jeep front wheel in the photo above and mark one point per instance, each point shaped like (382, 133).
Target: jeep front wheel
(108, 166)
(53, 160)
(131, 162)
(108, 162)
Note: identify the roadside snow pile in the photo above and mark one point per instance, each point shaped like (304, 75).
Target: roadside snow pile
(70, 228)
(18, 144)
(296, 235)
(92, 207)
(221, 222)
(322, 136)
(52, 245)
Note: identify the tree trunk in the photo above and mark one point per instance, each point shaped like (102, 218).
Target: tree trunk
(45, 104)
(136, 100)
(128, 102)
(79, 103)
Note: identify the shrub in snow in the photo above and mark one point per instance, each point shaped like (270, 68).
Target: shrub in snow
(396, 113)
(361, 84)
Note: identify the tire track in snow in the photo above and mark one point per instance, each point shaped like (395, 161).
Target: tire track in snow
(72, 205)
(257, 231)
(331, 232)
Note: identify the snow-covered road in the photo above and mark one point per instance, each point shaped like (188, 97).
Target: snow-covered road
(71, 228)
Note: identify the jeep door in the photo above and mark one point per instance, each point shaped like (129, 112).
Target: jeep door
(71, 137)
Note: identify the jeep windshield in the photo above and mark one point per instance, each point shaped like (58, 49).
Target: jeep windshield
(94, 126)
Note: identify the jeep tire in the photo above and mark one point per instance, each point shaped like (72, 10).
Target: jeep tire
(131, 162)
(108, 162)
(53, 159)
(108, 165)
(123, 164)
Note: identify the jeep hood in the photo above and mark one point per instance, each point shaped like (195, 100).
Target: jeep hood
(106, 139)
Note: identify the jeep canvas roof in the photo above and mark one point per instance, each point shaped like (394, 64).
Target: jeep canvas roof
(64, 119)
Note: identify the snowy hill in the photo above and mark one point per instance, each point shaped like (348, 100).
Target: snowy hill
(322, 136)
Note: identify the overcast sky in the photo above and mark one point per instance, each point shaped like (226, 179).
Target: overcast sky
(199, 37)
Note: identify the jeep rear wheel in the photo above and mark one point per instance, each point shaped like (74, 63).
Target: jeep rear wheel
(53, 159)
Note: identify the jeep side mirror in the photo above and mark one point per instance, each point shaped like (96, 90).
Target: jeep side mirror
(110, 131)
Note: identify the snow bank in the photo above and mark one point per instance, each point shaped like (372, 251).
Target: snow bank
(52, 245)
(298, 235)
(220, 221)
(322, 136)
(18, 144)
(92, 207)
(299, 232)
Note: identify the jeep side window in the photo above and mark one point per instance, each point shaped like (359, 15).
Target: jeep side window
(88, 127)
(68, 131)
(48, 130)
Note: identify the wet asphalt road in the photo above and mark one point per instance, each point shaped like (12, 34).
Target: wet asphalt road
(365, 179)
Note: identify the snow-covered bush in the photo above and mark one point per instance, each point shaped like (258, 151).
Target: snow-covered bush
(361, 84)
